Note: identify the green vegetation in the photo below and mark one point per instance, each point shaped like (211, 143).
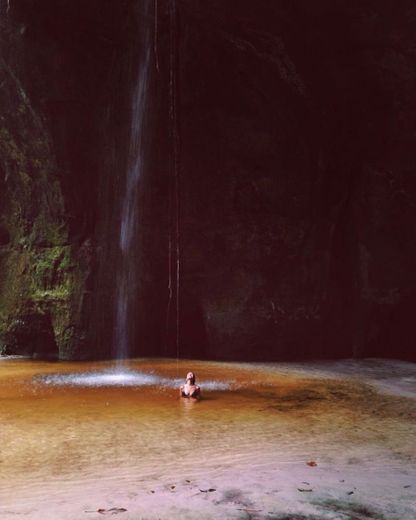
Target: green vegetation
(39, 272)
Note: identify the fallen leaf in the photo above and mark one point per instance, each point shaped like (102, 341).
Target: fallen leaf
(111, 511)
(172, 487)
(302, 490)
(312, 463)
(350, 493)
(210, 490)
(307, 483)
(405, 487)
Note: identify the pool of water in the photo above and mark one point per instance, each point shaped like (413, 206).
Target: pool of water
(74, 434)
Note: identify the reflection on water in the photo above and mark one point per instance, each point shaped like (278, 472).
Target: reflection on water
(69, 424)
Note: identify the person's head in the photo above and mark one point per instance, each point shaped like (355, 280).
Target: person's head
(190, 377)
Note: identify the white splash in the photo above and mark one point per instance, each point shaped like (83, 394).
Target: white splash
(95, 379)
(123, 378)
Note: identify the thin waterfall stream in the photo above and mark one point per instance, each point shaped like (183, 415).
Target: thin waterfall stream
(162, 167)
(127, 265)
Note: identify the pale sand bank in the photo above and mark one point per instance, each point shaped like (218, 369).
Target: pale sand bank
(240, 453)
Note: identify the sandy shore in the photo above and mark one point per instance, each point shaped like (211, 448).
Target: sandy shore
(313, 441)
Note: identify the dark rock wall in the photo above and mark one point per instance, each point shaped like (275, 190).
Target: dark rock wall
(296, 176)
(56, 68)
(42, 275)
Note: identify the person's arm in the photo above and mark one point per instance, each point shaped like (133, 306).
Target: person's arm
(196, 392)
(181, 391)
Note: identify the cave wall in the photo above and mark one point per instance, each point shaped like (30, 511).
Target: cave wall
(295, 132)
(42, 275)
(298, 177)
(56, 62)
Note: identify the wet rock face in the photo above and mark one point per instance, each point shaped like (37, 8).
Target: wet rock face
(42, 275)
(296, 176)
(31, 335)
(62, 103)
(4, 236)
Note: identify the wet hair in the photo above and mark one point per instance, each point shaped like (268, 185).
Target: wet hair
(191, 376)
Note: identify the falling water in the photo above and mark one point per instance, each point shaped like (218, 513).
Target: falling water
(127, 268)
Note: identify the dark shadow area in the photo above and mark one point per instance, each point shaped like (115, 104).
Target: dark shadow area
(279, 174)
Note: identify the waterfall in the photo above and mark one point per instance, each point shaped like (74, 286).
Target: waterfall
(128, 233)
(174, 259)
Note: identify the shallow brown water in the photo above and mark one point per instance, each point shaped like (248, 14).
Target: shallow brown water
(60, 438)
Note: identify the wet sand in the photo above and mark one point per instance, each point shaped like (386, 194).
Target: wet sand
(71, 446)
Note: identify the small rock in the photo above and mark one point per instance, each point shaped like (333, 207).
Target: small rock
(111, 511)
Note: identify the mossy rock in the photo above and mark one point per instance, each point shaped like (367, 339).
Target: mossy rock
(31, 334)
(42, 277)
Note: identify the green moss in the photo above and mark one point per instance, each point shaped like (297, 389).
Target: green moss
(62, 293)
(50, 260)
(21, 109)
(39, 272)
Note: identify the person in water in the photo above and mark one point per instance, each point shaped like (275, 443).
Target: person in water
(190, 389)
